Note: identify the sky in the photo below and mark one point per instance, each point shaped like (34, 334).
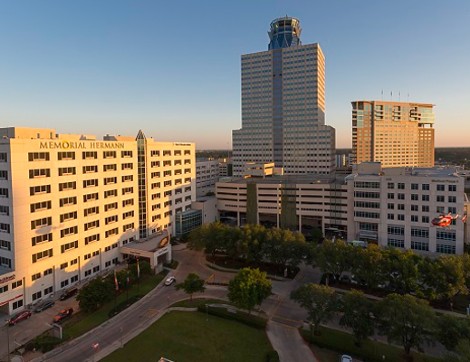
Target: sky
(172, 68)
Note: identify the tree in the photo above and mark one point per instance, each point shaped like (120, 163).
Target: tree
(93, 295)
(254, 237)
(366, 265)
(334, 257)
(318, 300)
(357, 315)
(192, 284)
(284, 247)
(406, 320)
(249, 288)
(402, 270)
(452, 329)
(449, 278)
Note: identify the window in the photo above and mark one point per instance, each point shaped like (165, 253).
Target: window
(425, 208)
(90, 169)
(68, 216)
(111, 167)
(452, 199)
(154, 153)
(128, 202)
(166, 173)
(424, 197)
(90, 197)
(448, 235)
(414, 218)
(41, 239)
(414, 186)
(5, 245)
(445, 249)
(48, 290)
(38, 206)
(64, 265)
(16, 284)
(440, 198)
(110, 193)
(111, 206)
(37, 156)
(95, 253)
(390, 216)
(111, 219)
(69, 246)
(87, 256)
(418, 245)
(452, 188)
(37, 296)
(414, 197)
(74, 261)
(39, 223)
(109, 154)
(126, 154)
(396, 243)
(48, 271)
(92, 225)
(127, 166)
(66, 156)
(390, 196)
(127, 215)
(414, 207)
(425, 187)
(3, 175)
(91, 211)
(390, 185)
(74, 279)
(420, 233)
(4, 228)
(67, 171)
(6, 262)
(92, 238)
(401, 217)
(440, 209)
(64, 283)
(35, 190)
(87, 155)
(401, 186)
(4, 289)
(127, 190)
(90, 183)
(69, 231)
(4, 192)
(401, 196)
(166, 153)
(42, 255)
(395, 230)
(110, 180)
(40, 172)
(452, 210)
(167, 183)
(3, 157)
(127, 227)
(127, 178)
(67, 201)
(4, 210)
(87, 272)
(441, 187)
(65, 186)
(401, 206)
(373, 215)
(114, 231)
(166, 163)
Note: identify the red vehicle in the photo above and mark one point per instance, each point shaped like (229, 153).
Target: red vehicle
(63, 314)
(444, 221)
(18, 317)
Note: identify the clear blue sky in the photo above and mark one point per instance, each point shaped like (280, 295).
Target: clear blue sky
(172, 68)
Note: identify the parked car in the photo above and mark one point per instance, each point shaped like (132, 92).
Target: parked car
(170, 280)
(68, 293)
(345, 279)
(43, 305)
(62, 315)
(346, 358)
(18, 317)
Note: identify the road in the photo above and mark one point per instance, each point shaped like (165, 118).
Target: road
(132, 321)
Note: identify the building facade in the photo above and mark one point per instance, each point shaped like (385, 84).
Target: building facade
(392, 207)
(283, 106)
(207, 174)
(397, 134)
(69, 203)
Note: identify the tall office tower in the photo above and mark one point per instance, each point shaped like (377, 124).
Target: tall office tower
(396, 134)
(283, 106)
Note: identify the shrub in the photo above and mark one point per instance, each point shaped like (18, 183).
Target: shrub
(245, 318)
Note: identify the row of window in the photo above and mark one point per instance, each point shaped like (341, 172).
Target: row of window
(424, 187)
(70, 155)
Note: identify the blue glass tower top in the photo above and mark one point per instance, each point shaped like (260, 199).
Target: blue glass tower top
(284, 33)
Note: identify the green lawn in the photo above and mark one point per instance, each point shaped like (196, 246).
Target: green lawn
(370, 350)
(193, 336)
(82, 323)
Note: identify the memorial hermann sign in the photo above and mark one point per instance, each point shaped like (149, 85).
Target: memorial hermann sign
(71, 145)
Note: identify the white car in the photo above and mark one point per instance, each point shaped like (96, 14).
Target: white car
(346, 358)
(170, 280)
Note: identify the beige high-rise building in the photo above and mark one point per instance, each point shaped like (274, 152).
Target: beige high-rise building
(72, 206)
(397, 134)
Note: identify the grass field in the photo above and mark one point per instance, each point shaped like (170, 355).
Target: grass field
(192, 336)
